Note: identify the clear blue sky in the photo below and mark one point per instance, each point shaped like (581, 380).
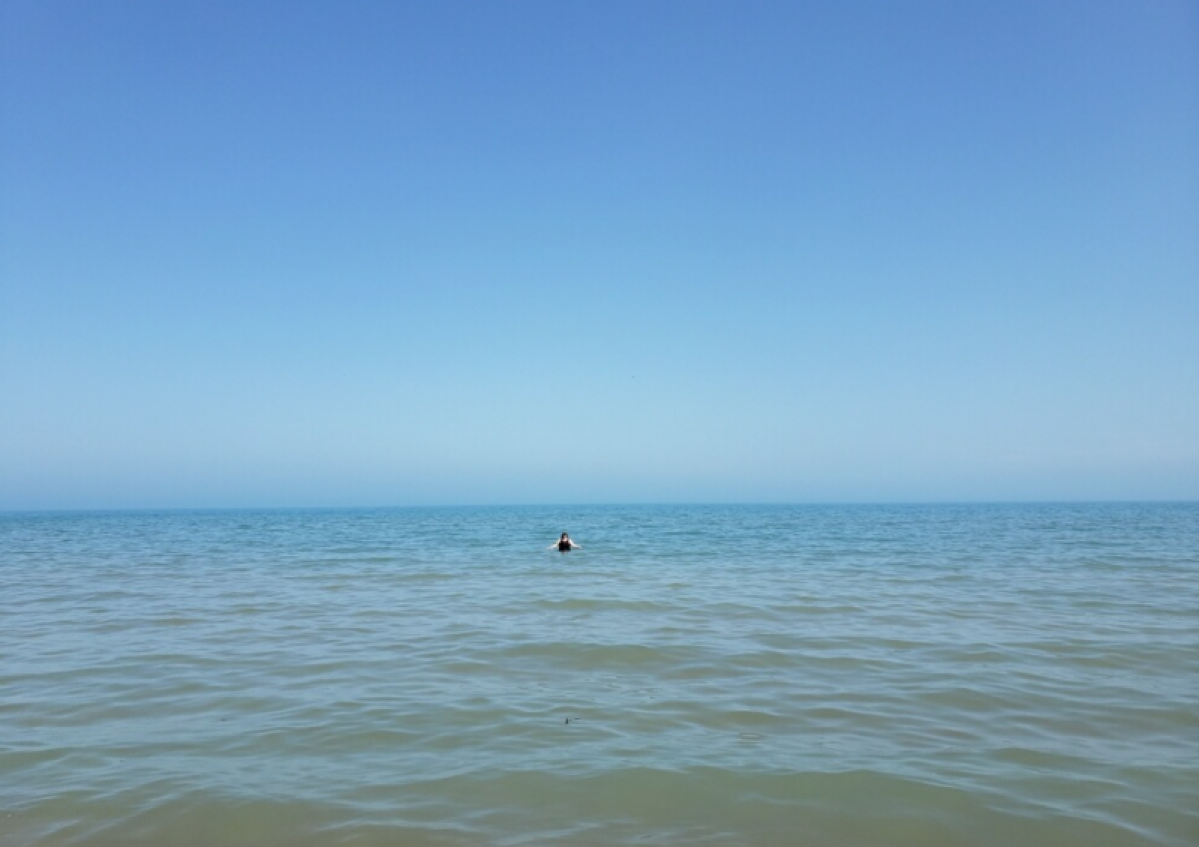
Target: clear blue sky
(358, 253)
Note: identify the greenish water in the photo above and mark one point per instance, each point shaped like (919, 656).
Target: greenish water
(909, 675)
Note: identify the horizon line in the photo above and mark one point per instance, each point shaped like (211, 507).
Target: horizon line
(599, 504)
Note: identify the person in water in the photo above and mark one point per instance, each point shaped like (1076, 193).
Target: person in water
(564, 544)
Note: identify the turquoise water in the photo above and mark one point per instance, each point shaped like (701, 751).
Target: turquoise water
(857, 675)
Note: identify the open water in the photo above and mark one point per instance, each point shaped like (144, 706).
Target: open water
(849, 675)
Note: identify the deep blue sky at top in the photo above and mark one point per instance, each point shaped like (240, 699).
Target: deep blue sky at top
(356, 253)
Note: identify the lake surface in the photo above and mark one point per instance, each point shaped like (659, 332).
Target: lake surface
(743, 675)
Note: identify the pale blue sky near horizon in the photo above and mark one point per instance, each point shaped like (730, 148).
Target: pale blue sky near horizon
(370, 253)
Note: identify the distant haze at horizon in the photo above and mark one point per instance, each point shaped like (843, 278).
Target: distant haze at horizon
(256, 255)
